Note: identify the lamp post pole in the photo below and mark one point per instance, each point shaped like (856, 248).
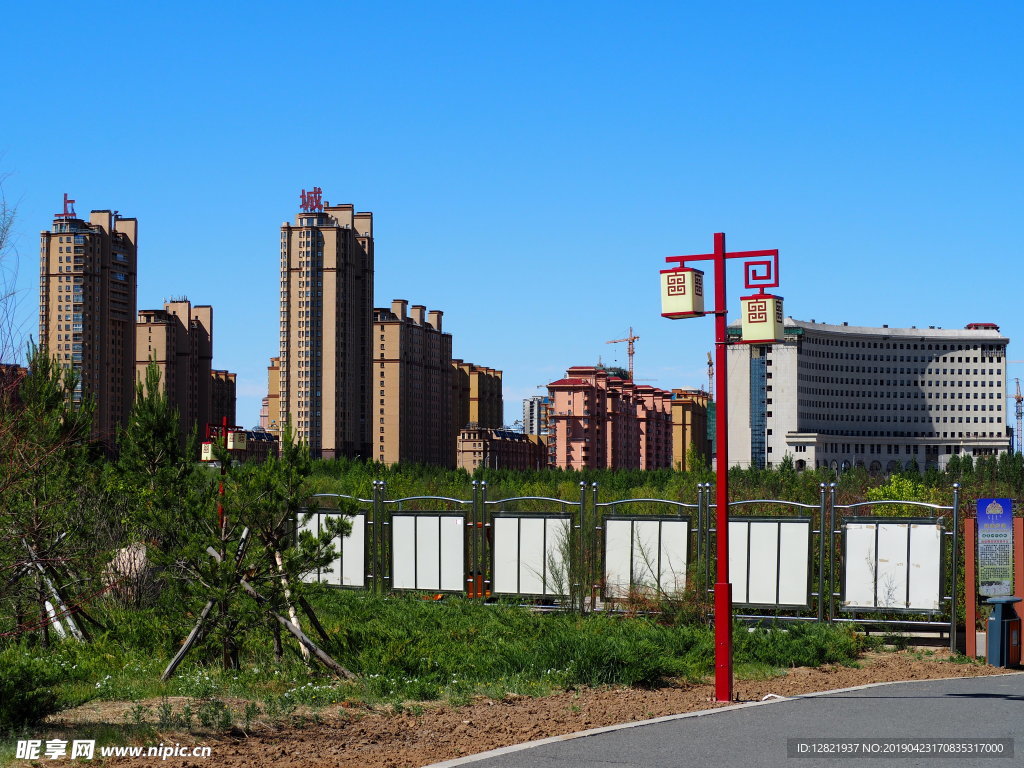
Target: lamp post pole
(682, 296)
(723, 589)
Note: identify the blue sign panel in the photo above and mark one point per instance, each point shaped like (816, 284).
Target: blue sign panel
(995, 547)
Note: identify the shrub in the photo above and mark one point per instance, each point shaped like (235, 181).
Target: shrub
(26, 689)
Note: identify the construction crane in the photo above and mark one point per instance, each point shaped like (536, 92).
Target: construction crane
(1020, 414)
(711, 375)
(629, 348)
(1019, 408)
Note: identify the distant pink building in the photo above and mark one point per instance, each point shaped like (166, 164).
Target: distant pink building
(654, 415)
(599, 421)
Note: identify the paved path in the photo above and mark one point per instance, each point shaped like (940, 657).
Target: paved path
(981, 707)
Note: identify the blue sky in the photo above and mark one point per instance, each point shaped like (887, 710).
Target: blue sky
(530, 165)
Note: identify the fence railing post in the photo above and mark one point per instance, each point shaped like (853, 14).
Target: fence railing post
(707, 536)
(580, 567)
(377, 563)
(699, 533)
(832, 552)
(487, 556)
(594, 576)
(383, 531)
(470, 526)
(821, 553)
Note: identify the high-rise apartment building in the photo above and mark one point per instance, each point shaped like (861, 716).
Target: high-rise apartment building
(690, 441)
(535, 415)
(840, 396)
(87, 289)
(179, 340)
(653, 408)
(603, 422)
(326, 282)
(476, 396)
(11, 376)
(222, 397)
(270, 413)
(412, 360)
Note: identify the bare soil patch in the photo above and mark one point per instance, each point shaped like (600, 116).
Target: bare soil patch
(351, 737)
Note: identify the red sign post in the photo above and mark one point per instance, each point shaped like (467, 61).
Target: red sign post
(69, 209)
(758, 274)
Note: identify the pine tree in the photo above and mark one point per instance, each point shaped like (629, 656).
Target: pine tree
(154, 474)
(48, 505)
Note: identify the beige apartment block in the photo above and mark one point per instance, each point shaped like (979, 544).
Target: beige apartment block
(222, 397)
(412, 359)
(690, 428)
(326, 283)
(87, 289)
(499, 449)
(179, 339)
(476, 396)
(11, 376)
(270, 412)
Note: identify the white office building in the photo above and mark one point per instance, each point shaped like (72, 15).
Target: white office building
(884, 398)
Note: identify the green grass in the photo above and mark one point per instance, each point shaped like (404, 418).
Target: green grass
(405, 649)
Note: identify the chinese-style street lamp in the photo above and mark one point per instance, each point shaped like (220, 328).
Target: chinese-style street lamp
(682, 296)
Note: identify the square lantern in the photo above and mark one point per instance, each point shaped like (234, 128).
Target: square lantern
(762, 319)
(682, 293)
(236, 441)
(207, 452)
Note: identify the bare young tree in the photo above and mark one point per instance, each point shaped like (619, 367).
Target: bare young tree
(9, 337)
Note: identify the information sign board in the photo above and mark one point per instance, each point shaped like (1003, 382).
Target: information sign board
(995, 547)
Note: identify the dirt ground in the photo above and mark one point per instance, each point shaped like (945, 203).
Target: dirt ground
(375, 738)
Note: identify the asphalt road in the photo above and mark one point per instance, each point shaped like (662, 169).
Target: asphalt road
(976, 708)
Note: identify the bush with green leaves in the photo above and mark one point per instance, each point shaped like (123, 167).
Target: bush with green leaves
(27, 688)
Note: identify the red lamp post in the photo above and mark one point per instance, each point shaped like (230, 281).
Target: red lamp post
(682, 297)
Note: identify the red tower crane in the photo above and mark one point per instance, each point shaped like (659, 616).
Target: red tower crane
(629, 348)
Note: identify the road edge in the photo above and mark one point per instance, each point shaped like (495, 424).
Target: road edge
(454, 762)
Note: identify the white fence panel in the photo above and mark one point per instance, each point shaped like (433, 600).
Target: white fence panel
(769, 561)
(646, 554)
(892, 564)
(349, 568)
(529, 554)
(925, 567)
(403, 552)
(428, 552)
(794, 563)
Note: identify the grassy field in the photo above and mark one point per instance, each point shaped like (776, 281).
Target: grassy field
(404, 649)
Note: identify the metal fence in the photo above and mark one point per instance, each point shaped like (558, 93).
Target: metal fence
(787, 560)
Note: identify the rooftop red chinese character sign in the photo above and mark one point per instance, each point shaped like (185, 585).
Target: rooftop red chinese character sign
(312, 200)
(69, 209)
